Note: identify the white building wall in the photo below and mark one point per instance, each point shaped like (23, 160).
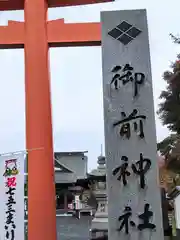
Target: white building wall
(177, 211)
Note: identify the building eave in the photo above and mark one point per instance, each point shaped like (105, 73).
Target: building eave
(96, 177)
(65, 154)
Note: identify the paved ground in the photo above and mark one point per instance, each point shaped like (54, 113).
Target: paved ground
(70, 228)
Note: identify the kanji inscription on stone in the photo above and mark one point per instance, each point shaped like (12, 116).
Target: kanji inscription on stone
(134, 203)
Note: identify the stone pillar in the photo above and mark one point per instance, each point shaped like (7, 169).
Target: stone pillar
(100, 220)
(134, 202)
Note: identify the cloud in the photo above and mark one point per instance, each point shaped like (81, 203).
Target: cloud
(76, 79)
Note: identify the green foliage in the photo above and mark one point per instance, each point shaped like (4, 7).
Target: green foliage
(175, 39)
(169, 108)
(169, 113)
(167, 145)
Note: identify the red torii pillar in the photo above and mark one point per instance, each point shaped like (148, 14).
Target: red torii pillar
(36, 35)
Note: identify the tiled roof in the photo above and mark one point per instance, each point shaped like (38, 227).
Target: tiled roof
(63, 154)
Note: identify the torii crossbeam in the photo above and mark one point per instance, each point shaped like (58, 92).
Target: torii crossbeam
(36, 35)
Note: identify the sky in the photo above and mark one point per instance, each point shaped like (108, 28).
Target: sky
(76, 79)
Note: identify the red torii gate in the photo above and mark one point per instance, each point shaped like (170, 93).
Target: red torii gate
(36, 35)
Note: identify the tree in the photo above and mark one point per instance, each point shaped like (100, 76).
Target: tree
(169, 108)
(170, 149)
(175, 39)
(169, 113)
(167, 145)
